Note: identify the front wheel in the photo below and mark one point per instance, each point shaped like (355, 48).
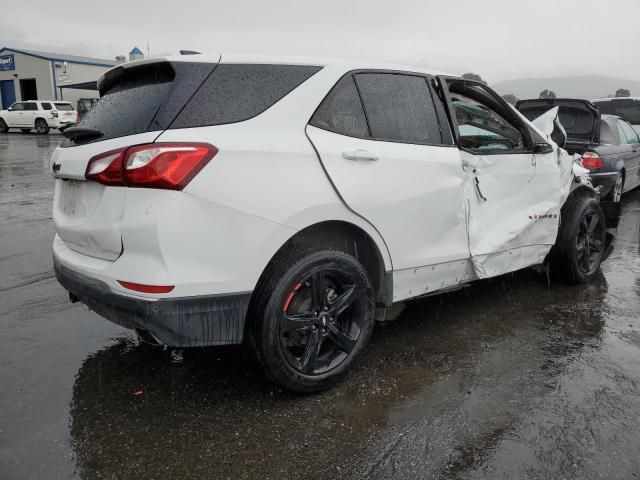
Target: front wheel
(41, 126)
(315, 314)
(577, 255)
(4, 128)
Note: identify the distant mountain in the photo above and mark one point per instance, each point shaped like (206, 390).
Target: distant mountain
(589, 87)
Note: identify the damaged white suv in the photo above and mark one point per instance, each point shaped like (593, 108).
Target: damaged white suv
(286, 202)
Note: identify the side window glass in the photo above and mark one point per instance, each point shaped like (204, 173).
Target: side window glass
(621, 132)
(46, 106)
(17, 107)
(630, 133)
(482, 129)
(341, 111)
(31, 106)
(399, 107)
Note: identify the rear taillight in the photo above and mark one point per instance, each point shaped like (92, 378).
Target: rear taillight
(54, 114)
(139, 287)
(77, 117)
(591, 160)
(106, 168)
(168, 166)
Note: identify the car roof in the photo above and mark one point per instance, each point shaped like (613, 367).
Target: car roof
(347, 64)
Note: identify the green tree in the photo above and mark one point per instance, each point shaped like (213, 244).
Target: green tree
(622, 92)
(510, 98)
(473, 76)
(548, 94)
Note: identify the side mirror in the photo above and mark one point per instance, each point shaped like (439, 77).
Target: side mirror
(542, 148)
(9, 109)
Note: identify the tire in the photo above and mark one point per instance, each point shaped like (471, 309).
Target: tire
(41, 126)
(578, 252)
(616, 190)
(313, 315)
(3, 126)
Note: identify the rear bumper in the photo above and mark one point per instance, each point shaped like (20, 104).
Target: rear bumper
(178, 322)
(605, 180)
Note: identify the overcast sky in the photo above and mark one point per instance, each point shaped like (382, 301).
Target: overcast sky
(499, 39)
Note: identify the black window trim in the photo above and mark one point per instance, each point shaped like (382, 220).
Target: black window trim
(522, 127)
(352, 74)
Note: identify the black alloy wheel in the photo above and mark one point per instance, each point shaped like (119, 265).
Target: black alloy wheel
(3, 126)
(319, 326)
(580, 246)
(41, 126)
(313, 315)
(590, 241)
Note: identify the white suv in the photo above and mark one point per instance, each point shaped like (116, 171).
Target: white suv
(42, 115)
(286, 202)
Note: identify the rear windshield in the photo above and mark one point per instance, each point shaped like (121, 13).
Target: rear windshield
(65, 107)
(129, 105)
(237, 92)
(627, 109)
(166, 95)
(577, 121)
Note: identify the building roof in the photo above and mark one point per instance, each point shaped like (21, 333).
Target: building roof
(62, 57)
(136, 51)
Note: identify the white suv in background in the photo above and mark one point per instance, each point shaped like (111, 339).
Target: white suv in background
(286, 202)
(42, 115)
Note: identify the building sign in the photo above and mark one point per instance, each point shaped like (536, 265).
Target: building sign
(7, 62)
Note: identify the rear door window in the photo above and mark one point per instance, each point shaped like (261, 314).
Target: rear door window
(65, 107)
(30, 106)
(238, 92)
(399, 107)
(341, 111)
(629, 133)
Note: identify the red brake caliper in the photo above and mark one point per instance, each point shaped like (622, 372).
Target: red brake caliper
(291, 295)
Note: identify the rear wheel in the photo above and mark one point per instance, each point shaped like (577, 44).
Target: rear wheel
(616, 191)
(41, 126)
(577, 255)
(3, 126)
(315, 314)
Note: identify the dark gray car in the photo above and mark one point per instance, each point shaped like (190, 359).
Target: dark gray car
(609, 145)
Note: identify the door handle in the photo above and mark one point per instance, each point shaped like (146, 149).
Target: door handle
(359, 154)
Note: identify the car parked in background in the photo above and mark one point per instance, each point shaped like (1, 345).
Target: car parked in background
(284, 203)
(609, 145)
(43, 115)
(85, 105)
(627, 108)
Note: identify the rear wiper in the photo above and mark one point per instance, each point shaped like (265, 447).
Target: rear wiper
(75, 133)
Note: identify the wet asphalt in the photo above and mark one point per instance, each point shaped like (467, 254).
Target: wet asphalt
(511, 378)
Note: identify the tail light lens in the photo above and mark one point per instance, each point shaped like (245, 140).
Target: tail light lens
(168, 166)
(591, 160)
(54, 114)
(139, 287)
(77, 117)
(106, 168)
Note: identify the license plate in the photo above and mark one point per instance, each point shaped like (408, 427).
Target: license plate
(70, 194)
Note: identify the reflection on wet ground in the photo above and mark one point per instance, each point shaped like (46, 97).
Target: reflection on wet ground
(510, 378)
